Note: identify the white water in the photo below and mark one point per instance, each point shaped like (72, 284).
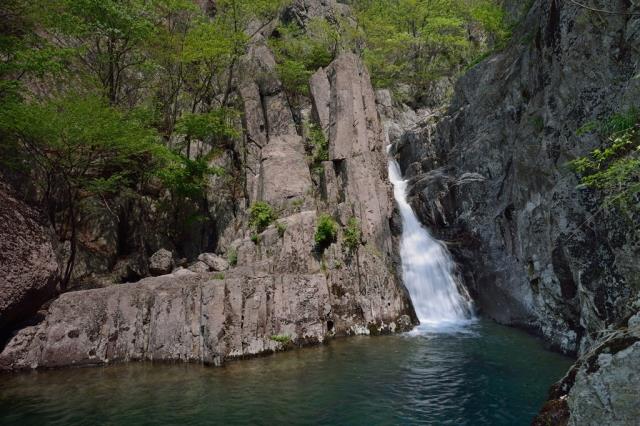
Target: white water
(428, 269)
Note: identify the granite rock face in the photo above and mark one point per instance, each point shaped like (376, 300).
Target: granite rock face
(214, 262)
(602, 388)
(29, 269)
(175, 317)
(489, 176)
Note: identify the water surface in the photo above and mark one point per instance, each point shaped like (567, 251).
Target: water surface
(486, 375)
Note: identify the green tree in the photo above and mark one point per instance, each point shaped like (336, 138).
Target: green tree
(77, 149)
(109, 37)
(418, 41)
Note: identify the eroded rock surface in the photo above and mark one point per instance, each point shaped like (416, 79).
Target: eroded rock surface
(29, 269)
(602, 388)
(174, 318)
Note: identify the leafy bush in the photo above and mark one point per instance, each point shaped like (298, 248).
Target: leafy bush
(261, 215)
(232, 256)
(282, 228)
(319, 144)
(326, 231)
(294, 76)
(352, 235)
(212, 127)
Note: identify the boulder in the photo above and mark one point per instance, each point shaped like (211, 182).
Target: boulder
(214, 261)
(29, 269)
(199, 267)
(602, 388)
(161, 262)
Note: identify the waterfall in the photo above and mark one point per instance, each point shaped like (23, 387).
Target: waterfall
(427, 268)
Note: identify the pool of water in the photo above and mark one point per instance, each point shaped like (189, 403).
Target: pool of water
(484, 374)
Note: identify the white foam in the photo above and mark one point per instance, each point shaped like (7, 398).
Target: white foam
(440, 302)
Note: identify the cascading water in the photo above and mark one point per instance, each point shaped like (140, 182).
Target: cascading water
(427, 268)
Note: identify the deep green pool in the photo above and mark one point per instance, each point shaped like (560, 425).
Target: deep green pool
(488, 375)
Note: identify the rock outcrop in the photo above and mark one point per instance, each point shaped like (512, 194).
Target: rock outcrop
(281, 289)
(29, 269)
(490, 175)
(602, 388)
(178, 317)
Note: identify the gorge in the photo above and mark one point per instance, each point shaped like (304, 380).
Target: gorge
(403, 211)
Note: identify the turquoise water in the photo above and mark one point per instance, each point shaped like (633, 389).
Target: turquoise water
(488, 375)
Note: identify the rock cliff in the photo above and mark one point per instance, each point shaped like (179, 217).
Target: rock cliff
(602, 387)
(283, 289)
(28, 265)
(490, 175)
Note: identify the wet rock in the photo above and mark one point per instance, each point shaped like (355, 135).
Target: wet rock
(161, 262)
(29, 269)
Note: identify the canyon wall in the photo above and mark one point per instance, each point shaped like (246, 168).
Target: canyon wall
(490, 176)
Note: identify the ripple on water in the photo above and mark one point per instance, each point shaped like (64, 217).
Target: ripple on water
(482, 374)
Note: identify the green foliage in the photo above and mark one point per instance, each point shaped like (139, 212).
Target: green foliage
(294, 76)
(187, 178)
(352, 235)
(301, 51)
(93, 93)
(281, 338)
(415, 41)
(614, 169)
(297, 204)
(76, 149)
(326, 231)
(232, 256)
(217, 124)
(261, 215)
(218, 276)
(90, 146)
(318, 143)
(282, 228)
